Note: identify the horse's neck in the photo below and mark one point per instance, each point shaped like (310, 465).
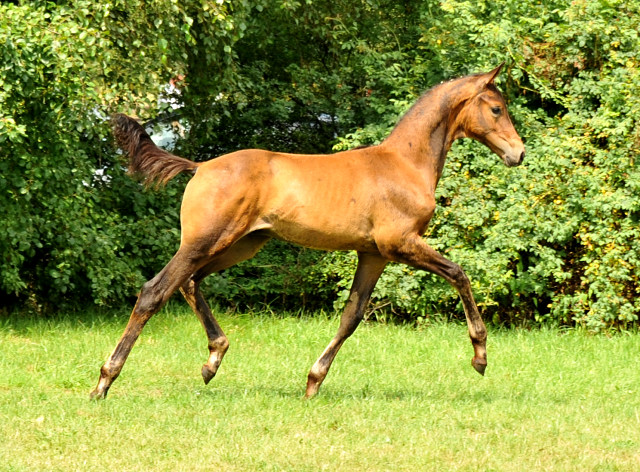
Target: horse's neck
(425, 134)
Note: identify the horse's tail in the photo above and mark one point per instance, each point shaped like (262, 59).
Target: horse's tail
(145, 158)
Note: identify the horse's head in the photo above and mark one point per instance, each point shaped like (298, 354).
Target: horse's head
(484, 118)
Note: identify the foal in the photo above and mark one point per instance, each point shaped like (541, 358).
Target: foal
(377, 201)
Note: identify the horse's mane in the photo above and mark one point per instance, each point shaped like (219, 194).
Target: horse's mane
(425, 97)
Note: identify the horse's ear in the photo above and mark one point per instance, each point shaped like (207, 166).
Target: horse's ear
(490, 76)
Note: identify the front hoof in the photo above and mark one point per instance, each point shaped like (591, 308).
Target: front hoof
(98, 395)
(313, 385)
(312, 391)
(479, 364)
(207, 373)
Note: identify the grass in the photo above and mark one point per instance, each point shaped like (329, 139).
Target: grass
(396, 399)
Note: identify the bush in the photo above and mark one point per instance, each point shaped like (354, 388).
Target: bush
(554, 240)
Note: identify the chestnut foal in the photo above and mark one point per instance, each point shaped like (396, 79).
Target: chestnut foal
(377, 201)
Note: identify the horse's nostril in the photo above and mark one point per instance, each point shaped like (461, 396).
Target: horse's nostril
(522, 156)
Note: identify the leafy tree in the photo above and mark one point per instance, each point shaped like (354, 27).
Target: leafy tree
(74, 228)
(553, 240)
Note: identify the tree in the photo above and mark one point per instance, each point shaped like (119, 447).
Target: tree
(552, 240)
(74, 228)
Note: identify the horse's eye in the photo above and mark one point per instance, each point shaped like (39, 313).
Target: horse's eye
(496, 110)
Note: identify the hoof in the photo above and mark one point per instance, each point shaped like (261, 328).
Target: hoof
(479, 364)
(207, 374)
(312, 389)
(96, 395)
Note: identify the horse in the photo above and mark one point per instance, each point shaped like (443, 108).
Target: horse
(376, 201)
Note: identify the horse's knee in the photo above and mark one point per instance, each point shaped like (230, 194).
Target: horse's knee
(458, 277)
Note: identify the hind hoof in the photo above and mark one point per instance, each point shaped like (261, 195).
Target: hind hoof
(479, 364)
(207, 374)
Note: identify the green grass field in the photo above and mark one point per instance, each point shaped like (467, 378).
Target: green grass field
(396, 399)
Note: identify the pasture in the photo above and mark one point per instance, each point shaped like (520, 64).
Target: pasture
(397, 398)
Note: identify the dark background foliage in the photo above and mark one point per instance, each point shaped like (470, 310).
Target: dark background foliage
(555, 240)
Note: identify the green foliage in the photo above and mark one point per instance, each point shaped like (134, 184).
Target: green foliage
(557, 238)
(74, 228)
(554, 240)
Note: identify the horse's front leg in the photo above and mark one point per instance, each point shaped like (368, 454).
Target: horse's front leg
(414, 251)
(370, 267)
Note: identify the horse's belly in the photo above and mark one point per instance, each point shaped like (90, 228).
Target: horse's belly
(328, 236)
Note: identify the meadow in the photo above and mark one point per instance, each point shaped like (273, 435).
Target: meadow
(397, 398)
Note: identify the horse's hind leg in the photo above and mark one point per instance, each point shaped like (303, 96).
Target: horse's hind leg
(218, 343)
(153, 296)
(370, 267)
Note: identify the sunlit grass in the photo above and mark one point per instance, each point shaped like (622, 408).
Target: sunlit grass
(396, 398)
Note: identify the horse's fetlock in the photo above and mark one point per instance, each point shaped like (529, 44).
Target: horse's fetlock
(220, 344)
(106, 372)
(480, 336)
(315, 377)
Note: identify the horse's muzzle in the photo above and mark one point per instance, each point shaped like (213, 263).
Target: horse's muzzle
(512, 159)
